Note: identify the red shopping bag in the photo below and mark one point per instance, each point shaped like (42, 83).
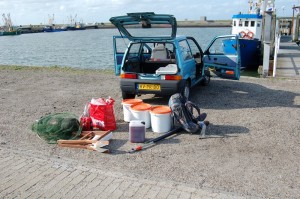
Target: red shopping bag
(102, 114)
(86, 123)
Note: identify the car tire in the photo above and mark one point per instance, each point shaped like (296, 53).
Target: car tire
(127, 95)
(206, 80)
(186, 90)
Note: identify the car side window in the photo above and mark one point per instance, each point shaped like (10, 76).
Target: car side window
(146, 51)
(134, 50)
(185, 50)
(121, 44)
(222, 46)
(195, 49)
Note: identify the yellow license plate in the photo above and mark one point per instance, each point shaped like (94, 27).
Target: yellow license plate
(153, 87)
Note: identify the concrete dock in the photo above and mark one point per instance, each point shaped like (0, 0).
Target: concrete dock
(27, 174)
(288, 62)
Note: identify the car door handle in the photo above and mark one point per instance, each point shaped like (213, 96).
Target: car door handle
(215, 59)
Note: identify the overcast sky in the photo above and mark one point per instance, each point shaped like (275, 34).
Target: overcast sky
(25, 12)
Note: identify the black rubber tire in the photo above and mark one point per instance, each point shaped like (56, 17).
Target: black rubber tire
(206, 80)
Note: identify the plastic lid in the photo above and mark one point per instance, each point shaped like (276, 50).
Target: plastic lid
(160, 110)
(132, 101)
(140, 107)
(137, 123)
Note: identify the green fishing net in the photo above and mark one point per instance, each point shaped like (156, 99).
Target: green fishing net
(57, 126)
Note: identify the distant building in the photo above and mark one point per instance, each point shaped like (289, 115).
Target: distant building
(285, 25)
(203, 18)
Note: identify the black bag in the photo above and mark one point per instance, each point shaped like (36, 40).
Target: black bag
(182, 112)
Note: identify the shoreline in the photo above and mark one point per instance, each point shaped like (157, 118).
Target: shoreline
(180, 24)
(253, 74)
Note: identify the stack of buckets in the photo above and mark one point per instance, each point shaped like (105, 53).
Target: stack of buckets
(141, 115)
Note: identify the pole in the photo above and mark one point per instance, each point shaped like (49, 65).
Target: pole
(267, 43)
(293, 32)
(277, 44)
(295, 24)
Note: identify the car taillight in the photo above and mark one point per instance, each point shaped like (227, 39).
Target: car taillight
(128, 76)
(173, 77)
(229, 72)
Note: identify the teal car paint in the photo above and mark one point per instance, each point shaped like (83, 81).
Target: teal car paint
(168, 63)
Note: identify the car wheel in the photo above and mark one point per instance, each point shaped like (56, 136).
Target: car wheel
(127, 95)
(206, 80)
(186, 90)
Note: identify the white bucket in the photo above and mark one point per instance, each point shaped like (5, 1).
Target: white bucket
(141, 112)
(161, 119)
(126, 108)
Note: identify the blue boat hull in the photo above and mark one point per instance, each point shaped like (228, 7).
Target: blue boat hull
(250, 52)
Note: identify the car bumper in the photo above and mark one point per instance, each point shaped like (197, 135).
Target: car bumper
(167, 87)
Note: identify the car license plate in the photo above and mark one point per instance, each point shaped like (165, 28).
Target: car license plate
(154, 87)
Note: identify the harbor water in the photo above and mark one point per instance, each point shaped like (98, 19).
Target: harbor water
(87, 49)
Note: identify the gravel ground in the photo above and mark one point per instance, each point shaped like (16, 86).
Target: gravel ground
(253, 144)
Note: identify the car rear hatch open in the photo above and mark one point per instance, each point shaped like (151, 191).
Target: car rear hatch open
(137, 26)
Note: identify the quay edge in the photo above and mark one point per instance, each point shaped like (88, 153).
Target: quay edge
(181, 24)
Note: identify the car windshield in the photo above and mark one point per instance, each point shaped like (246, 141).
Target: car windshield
(145, 26)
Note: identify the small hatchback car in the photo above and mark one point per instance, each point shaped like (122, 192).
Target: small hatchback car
(167, 64)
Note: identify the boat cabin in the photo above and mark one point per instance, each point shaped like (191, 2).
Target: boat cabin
(248, 26)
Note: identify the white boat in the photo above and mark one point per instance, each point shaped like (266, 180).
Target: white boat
(249, 27)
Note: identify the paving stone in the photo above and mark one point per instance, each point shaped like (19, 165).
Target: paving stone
(38, 189)
(60, 187)
(81, 191)
(116, 194)
(185, 195)
(20, 187)
(52, 185)
(99, 190)
(141, 192)
(164, 193)
(35, 177)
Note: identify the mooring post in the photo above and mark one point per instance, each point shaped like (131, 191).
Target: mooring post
(267, 43)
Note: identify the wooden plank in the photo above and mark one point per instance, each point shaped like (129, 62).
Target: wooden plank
(81, 142)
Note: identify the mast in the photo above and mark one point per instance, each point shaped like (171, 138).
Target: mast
(9, 22)
(254, 8)
(50, 19)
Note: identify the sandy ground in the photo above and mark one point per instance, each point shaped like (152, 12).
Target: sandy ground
(253, 146)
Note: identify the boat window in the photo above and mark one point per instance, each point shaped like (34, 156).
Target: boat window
(234, 23)
(246, 23)
(252, 23)
(240, 23)
(258, 24)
